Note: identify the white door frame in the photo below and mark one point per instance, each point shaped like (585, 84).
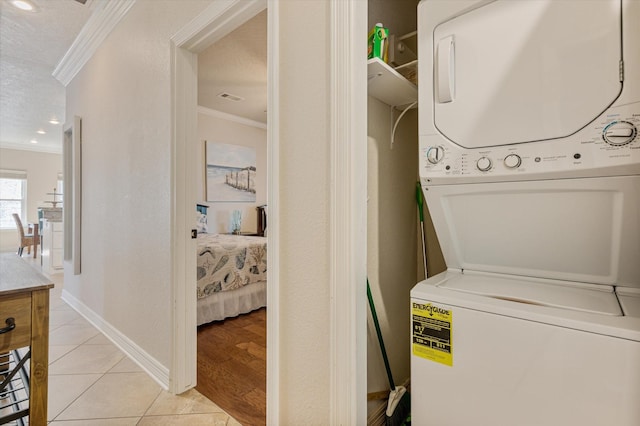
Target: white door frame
(216, 21)
(348, 211)
(347, 198)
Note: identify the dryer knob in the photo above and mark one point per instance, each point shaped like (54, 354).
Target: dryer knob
(618, 133)
(484, 164)
(435, 154)
(512, 161)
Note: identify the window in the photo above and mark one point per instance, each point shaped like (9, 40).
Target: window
(13, 191)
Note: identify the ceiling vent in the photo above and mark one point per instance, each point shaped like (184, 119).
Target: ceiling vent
(230, 97)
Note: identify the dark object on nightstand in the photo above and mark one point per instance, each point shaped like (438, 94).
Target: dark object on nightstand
(262, 219)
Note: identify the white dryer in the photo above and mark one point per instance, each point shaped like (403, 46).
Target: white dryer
(530, 165)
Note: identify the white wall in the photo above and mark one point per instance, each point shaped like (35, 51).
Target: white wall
(42, 177)
(123, 95)
(220, 130)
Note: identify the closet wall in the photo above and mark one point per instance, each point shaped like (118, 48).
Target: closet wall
(394, 251)
(391, 218)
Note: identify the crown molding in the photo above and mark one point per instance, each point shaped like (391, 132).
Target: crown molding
(30, 147)
(231, 117)
(106, 16)
(215, 22)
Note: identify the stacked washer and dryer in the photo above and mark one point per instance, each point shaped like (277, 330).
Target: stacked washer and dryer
(530, 165)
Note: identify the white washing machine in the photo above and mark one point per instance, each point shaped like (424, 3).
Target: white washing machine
(530, 165)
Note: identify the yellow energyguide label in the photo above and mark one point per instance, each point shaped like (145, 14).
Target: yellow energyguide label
(432, 332)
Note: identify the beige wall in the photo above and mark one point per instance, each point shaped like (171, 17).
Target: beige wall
(392, 239)
(123, 95)
(399, 16)
(219, 130)
(42, 176)
(304, 213)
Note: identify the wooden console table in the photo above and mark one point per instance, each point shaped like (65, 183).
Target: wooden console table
(24, 322)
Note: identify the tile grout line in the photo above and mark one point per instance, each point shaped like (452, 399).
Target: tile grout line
(83, 392)
(61, 305)
(150, 405)
(89, 387)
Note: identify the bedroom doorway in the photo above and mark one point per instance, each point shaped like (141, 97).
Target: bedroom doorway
(232, 204)
(347, 85)
(213, 24)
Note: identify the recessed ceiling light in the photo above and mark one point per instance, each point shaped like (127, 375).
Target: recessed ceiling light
(41, 132)
(33, 141)
(54, 121)
(23, 5)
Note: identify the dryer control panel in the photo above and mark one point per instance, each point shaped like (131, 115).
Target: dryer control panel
(608, 146)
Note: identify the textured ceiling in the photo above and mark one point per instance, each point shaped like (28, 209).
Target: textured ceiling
(31, 45)
(237, 64)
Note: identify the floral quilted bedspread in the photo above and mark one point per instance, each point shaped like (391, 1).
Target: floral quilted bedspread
(227, 262)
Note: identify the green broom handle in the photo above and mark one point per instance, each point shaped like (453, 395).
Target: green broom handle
(384, 352)
(419, 200)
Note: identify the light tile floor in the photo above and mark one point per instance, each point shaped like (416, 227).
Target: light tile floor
(92, 382)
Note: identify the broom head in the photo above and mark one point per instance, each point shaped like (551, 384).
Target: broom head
(399, 407)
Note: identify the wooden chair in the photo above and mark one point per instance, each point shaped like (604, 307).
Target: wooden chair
(26, 240)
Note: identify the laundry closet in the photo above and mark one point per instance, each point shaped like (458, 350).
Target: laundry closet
(530, 163)
(394, 248)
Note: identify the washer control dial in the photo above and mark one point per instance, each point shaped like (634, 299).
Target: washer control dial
(618, 133)
(435, 154)
(512, 161)
(484, 164)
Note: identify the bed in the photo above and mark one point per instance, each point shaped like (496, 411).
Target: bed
(232, 275)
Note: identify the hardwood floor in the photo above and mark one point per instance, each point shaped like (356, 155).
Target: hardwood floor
(232, 366)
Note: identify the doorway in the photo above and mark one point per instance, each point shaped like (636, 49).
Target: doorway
(213, 24)
(232, 199)
(345, 378)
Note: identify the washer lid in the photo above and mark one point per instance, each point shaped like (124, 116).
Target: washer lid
(630, 301)
(569, 305)
(580, 230)
(522, 71)
(596, 299)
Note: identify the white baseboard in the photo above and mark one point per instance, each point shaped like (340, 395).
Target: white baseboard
(149, 364)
